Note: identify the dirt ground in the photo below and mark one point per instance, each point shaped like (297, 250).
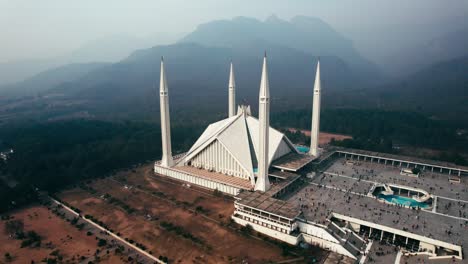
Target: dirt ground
(174, 190)
(156, 199)
(71, 242)
(324, 137)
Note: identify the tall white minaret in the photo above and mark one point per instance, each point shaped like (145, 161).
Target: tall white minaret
(166, 160)
(314, 134)
(263, 184)
(232, 93)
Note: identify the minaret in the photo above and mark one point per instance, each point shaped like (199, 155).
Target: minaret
(314, 134)
(166, 160)
(232, 93)
(263, 184)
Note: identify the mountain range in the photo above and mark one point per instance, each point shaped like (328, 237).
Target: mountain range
(199, 75)
(307, 34)
(198, 67)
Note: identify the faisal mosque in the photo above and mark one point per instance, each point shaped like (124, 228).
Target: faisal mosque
(240, 148)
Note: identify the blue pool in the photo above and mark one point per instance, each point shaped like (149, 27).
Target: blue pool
(402, 200)
(302, 149)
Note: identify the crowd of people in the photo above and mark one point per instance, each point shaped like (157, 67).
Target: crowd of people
(328, 193)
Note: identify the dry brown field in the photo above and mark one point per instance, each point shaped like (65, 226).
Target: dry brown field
(324, 137)
(157, 199)
(56, 233)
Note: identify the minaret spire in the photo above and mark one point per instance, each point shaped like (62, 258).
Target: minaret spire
(314, 135)
(166, 160)
(263, 184)
(232, 92)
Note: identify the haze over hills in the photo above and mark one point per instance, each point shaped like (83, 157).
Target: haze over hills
(43, 81)
(106, 49)
(199, 69)
(449, 46)
(198, 64)
(399, 48)
(440, 90)
(198, 75)
(308, 34)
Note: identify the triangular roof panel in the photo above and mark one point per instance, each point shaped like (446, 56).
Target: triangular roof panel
(237, 143)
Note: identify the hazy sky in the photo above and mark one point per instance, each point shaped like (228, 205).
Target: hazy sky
(45, 28)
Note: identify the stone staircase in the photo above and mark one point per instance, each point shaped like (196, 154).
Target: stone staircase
(348, 239)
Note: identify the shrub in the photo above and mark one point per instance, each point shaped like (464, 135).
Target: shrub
(74, 221)
(102, 242)
(247, 229)
(14, 227)
(8, 257)
(31, 239)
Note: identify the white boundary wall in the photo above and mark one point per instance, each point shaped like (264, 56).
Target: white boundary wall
(269, 232)
(319, 236)
(316, 231)
(310, 234)
(327, 245)
(271, 224)
(183, 176)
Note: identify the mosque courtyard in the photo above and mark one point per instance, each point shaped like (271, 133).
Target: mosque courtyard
(345, 189)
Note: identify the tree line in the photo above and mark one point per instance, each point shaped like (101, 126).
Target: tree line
(380, 130)
(50, 156)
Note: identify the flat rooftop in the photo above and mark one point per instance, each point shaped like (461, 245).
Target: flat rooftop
(277, 187)
(264, 202)
(444, 164)
(282, 174)
(432, 182)
(342, 189)
(217, 177)
(293, 161)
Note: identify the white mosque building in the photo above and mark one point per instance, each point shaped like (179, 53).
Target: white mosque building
(239, 156)
(237, 152)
